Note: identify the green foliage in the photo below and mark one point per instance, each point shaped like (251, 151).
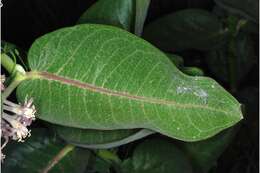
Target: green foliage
(177, 60)
(204, 154)
(244, 58)
(94, 82)
(128, 14)
(34, 154)
(248, 9)
(112, 12)
(83, 136)
(193, 71)
(101, 88)
(156, 156)
(186, 29)
(100, 139)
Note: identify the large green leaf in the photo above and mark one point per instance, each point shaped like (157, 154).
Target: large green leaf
(248, 9)
(111, 12)
(157, 156)
(186, 29)
(104, 78)
(33, 155)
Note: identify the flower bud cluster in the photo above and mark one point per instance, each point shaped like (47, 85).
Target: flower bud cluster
(15, 118)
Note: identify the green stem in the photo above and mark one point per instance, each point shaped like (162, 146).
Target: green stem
(68, 148)
(16, 81)
(15, 70)
(7, 63)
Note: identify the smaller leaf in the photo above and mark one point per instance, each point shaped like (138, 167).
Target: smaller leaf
(34, 155)
(248, 9)
(179, 63)
(100, 139)
(192, 71)
(156, 156)
(218, 61)
(249, 26)
(204, 154)
(177, 60)
(7, 47)
(111, 12)
(186, 29)
(101, 166)
(16, 53)
(86, 136)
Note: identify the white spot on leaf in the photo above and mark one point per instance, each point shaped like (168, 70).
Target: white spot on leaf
(202, 95)
(182, 90)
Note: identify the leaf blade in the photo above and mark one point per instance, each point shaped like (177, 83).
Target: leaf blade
(186, 29)
(97, 96)
(111, 12)
(165, 158)
(24, 157)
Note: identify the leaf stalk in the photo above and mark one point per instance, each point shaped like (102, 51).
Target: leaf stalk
(67, 149)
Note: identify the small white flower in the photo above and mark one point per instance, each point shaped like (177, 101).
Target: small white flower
(25, 113)
(14, 121)
(16, 130)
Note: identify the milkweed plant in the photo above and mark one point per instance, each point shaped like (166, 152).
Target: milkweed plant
(121, 92)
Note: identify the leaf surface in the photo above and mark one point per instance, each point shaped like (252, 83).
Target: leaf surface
(104, 78)
(100, 139)
(204, 154)
(218, 60)
(186, 29)
(115, 13)
(248, 9)
(34, 155)
(111, 12)
(165, 157)
(76, 135)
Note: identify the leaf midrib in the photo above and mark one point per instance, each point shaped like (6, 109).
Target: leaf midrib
(79, 84)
